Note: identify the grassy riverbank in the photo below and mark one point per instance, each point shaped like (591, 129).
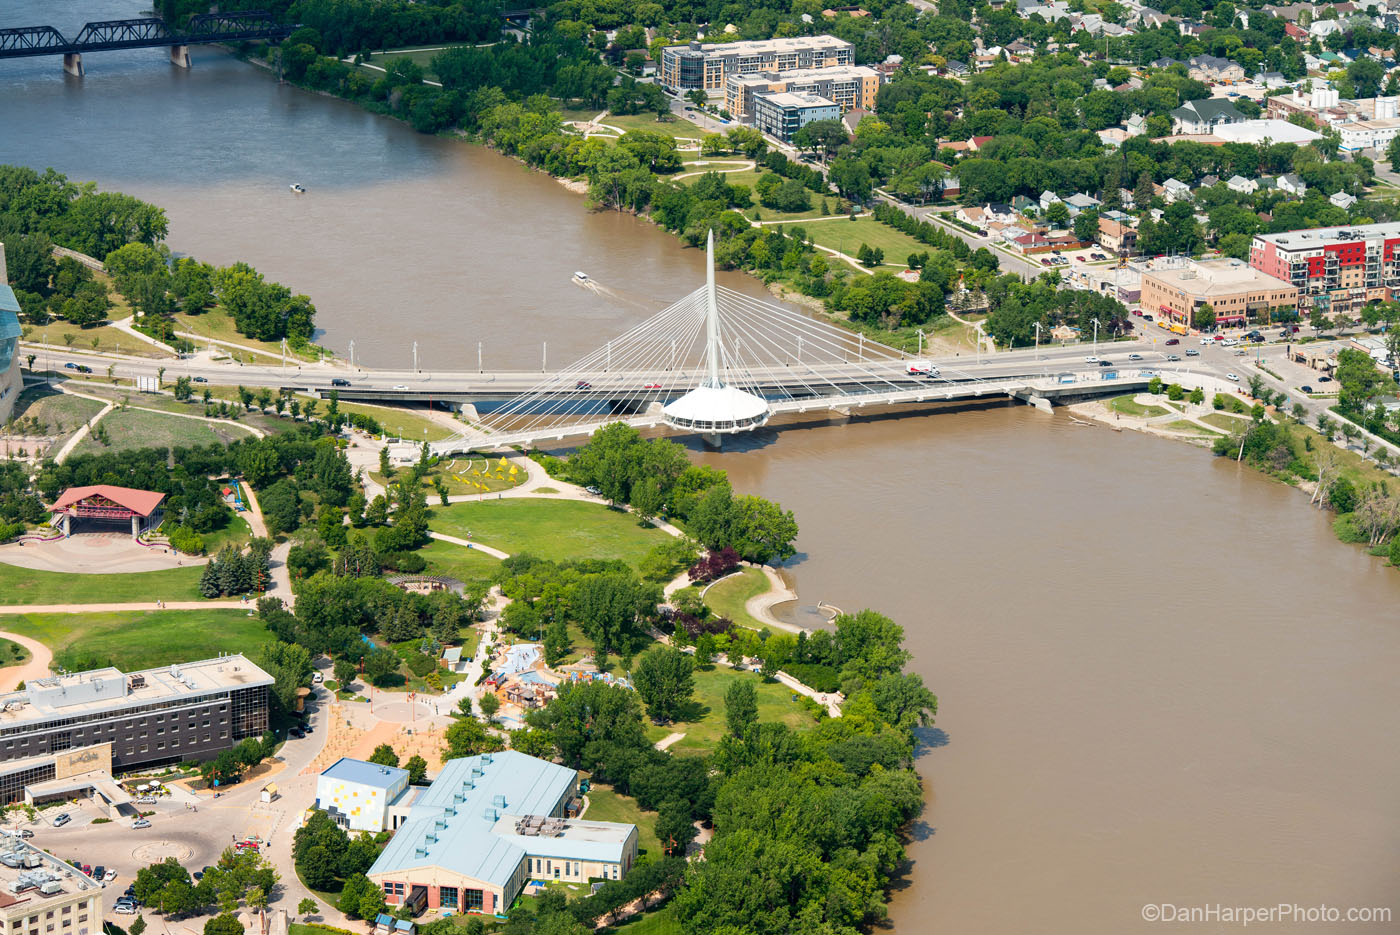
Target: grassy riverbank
(558, 530)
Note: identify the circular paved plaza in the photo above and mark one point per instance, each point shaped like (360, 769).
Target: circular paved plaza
(94, 553)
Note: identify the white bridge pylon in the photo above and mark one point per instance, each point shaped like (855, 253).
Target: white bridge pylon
(716, 362)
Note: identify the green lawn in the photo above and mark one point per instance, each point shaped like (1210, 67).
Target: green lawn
(671, 126)
(12, 654)
(834, 207)
(606, 805)
(846, 236)
(455, 561)
(57, 413)
(706, 725)
(145, 639)
(236, 532)
(136, 428)
(28, 586)
(462, 474)
(661, 922)
(423, 55)
(218, 324)
(1186, 425)
(398, 421)
(1227, 422)
(727, 598)
(1128, 406)
(558, 530)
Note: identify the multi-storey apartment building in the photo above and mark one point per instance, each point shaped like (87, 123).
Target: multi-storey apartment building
(782, 114)
(1335, 269)
(849, 86)
(707, 67)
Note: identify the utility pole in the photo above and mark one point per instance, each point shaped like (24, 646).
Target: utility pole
(352, 353)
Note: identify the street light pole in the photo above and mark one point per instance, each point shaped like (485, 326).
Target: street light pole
(352, 353)
(415, 356)
(544, 356)
(1096, 335)
(1037, 340)
(478, 357)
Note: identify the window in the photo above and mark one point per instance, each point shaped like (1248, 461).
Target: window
(447, 897)
(471, 900)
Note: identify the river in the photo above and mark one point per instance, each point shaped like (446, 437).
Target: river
(1161, 679)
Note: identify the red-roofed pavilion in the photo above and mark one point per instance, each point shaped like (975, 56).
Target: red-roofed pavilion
(108, 504)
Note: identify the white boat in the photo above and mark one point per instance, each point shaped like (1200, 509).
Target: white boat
(297, 187)
(581, 276)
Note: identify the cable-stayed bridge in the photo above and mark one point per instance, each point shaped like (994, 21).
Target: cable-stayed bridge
(719, 362)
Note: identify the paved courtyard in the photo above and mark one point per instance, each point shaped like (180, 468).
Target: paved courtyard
(94, 553)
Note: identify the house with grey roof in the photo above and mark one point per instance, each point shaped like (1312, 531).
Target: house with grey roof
(1343, 200)
(486, 826)
(1176, 190)
(1203, 116)
(1238, 183)
(1212, 69)
(1293, 185)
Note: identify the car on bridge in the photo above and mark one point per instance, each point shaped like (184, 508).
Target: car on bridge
(339, 381)
(921, 368)
(651, 386)
(583, 385)
(1109, 363)
(400, 388)
(200, 379)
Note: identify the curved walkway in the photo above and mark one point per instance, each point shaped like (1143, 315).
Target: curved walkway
(250, 605)
(721, 167)
(760, 606)
(37, 666)
(467, 543)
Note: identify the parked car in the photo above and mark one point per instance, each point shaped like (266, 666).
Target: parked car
(1137, 312)
(593, 490)
(1305, 388)
(247, 845)
(124, 908)
(109, 876)
(1324, 379)
(1146, 317)
(87, 869)
(1173, 340)
(141, 823)
(1233, 376)
(318, 678)
(296, 733)
(60, 820)
(1192, 352)
(1043, 262)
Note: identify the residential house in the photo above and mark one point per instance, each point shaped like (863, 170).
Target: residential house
(1163, 62)
(955, 68)
(1021, 204)
(1322, 28)
(1210, 181)
(1343, 200)
(977, 142)
(1117, 236)
(1295, 31)
(1080, 202)
(1293, 185)
(1048, 198)
(1000, 212)
(1203, 116)
(1174, 190)
(1126, 198)
(1213, 70)
(971, 215)
(1271, 79)
(1136, 125)
(1238, 183)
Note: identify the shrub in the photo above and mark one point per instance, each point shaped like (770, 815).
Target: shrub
(420, 664)
(815, 675)
(184, 539)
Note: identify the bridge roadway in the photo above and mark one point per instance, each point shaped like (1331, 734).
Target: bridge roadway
(455, 388)
(1039, 391)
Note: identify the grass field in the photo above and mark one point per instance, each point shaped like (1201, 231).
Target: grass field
(1227, 422)
(834, 206)
(846, 237)
(108, 339)
(727, 598)
(12, 654)
(136, 428)
(661, 922)
(28, 586)
(218, 324)
(671, 126)
(445, 558)
(57, 413)
(705, 723)
(1128, 406)
(236, 532)
(456, 472)
(396, 420)
(423, 55)
(1186, 425)
(558, 530)
(139, 639)
(606, 805)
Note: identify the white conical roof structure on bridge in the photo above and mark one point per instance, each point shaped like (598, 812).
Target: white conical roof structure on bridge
(713, 407)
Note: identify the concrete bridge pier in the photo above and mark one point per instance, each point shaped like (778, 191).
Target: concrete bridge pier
(180, 55)
(1031, 399)
(73, 64)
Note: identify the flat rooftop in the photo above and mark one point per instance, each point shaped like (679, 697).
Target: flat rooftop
(79, 693)
(789, 99)
(1319, 236)
(1217, 277)
(569, 839)
(834, 73)
(26, 871)
(764, 46)
(364, 773)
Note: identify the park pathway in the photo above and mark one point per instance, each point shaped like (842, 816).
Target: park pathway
(37, 666)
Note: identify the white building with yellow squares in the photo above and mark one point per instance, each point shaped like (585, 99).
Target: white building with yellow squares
(363, 796)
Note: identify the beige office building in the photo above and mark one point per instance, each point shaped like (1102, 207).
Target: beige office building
(42, 895)
(849, 86)
(1235, 290)
(706, 67)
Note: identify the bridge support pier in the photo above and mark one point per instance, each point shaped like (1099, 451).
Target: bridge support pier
(1031, 399)
(180, 55)
(713, 440)
(73, 64)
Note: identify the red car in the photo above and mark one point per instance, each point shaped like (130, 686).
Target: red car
(247, 845)
(651, 386)
(1173, 340)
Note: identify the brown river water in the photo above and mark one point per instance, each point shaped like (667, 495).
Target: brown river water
(1161, 679)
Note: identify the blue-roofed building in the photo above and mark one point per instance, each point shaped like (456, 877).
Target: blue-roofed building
(364, 796)
(10, 383)
(487, 825)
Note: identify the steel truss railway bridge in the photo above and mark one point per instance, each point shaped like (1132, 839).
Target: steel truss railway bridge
(147, 33)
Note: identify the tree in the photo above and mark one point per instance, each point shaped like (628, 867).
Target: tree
(384, 755)
(851, 178)
(675, 827)
(609, 608)
(306, 907)
(417, 770)
(490, 704)
(1057, 214)
(344, 673)
(741, 707)
(469, 737)
(225, 923)
(762, 530)
(1204, 317)
(665, 681)
(1198, 396)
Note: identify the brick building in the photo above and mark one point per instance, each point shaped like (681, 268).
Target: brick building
(1335, 269)
(1235, 291)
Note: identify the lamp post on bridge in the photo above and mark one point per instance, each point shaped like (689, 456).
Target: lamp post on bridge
(478, 357)
(544, 356)
(415, 356)
(1037, 340)
(352, 353)
(1096, 336)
